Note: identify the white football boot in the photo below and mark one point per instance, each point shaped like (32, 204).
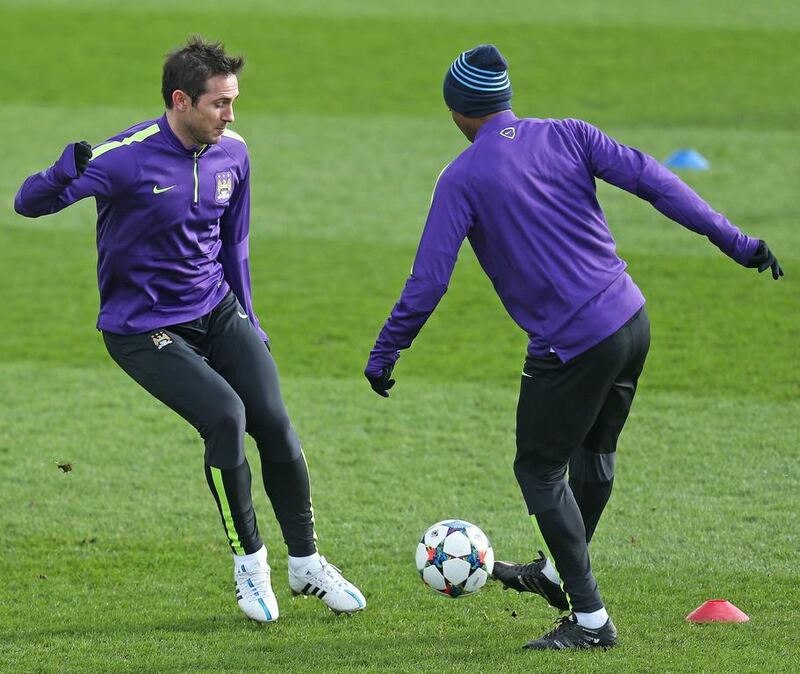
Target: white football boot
(253, 589)
(324, 581)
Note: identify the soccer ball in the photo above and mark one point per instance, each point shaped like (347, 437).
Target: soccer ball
(455, 558)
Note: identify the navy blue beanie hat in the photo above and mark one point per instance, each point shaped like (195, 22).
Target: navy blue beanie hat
(477, 83)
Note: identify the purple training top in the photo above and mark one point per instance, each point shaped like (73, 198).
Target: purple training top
(172, 223)
(524, 195)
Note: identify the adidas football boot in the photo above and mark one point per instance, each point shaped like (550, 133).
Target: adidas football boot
(324, 581)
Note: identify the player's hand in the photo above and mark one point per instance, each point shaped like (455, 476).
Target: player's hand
(764, 258)
(83, 153)
(381, 383)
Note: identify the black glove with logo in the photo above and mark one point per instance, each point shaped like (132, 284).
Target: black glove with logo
(381, 384)
(763, 258)
(83, 153)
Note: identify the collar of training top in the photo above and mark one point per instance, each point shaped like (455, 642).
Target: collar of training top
(499, 121)
(172, 139)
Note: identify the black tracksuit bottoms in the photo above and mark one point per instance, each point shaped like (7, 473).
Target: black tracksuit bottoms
(217, 374)
(571, 415)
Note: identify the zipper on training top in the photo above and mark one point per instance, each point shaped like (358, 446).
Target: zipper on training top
(197, 153)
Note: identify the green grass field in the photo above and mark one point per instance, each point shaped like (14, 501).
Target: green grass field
(121, 566)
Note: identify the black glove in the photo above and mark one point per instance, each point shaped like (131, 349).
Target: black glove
(83, 153)
(382, 383)
(763, 258)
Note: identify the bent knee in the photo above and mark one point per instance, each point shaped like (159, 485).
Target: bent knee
(223, 432)
(589, 466)
(228, 417)
(275, 437)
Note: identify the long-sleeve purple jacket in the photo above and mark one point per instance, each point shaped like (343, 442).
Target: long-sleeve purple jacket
(172, 223)
(524, 196)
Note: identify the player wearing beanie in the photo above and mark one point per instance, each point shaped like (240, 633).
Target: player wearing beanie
(523, 194)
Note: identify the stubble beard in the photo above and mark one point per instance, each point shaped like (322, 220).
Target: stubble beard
(201, 136)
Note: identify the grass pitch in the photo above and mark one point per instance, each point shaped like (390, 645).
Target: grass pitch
(120, 564)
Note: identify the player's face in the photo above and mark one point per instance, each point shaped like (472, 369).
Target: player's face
(206, 120)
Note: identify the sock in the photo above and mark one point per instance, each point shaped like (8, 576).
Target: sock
(257, 557)
(550, 572)
(594, 620)
(297, 564)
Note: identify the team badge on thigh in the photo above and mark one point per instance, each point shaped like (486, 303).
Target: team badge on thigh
(161, 339)
(224, 189)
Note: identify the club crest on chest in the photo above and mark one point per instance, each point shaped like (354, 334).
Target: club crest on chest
(223, 181)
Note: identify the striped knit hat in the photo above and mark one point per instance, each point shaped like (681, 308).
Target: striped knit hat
(477, 83)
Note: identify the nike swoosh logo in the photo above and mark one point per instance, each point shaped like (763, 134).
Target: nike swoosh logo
(241, 315)
(159, 190)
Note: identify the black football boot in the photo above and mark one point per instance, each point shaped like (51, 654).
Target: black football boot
(569, 634)
(530, 578)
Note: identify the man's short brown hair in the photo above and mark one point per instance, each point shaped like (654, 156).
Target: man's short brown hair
(189, 67)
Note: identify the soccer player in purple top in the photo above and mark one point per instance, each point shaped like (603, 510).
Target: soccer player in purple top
(523, 194)
(176, 311)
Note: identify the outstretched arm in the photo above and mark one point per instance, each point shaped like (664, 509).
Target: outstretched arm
(449, 220)
(64, 183)
(642, 175)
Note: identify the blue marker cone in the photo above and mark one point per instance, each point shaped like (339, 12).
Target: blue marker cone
(687, 159)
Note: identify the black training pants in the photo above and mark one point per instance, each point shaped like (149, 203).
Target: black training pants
(572, 414)
(218, 375)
